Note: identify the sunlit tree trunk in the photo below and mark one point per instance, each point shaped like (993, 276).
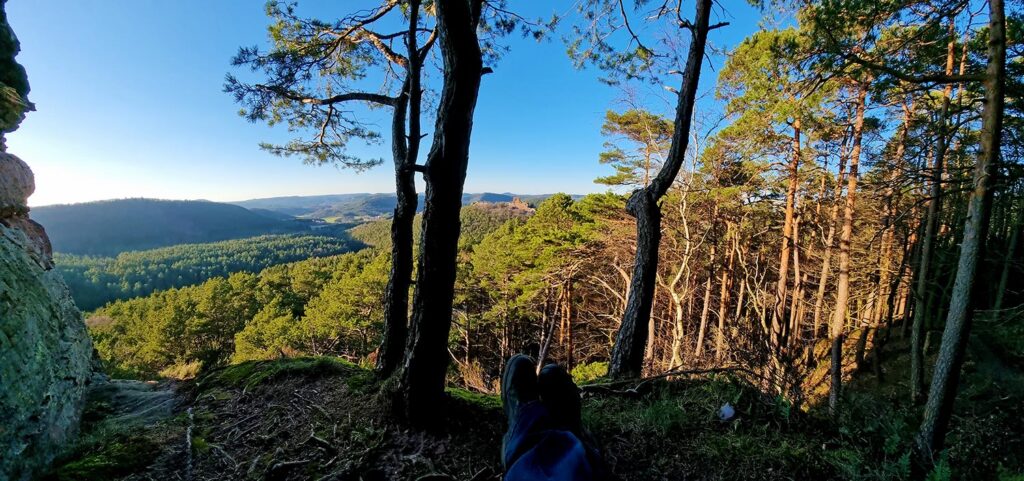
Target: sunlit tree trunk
(966, 291)
(793, 331)
(826, 258)
(723, 300)
(778, 325)
(838, 323)
(706, 306)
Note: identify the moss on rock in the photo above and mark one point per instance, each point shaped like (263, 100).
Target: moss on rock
(45, 360)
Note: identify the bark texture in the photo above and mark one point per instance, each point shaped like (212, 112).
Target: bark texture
(405, 146)
(631, 340)
(843, 278)
(423, 373)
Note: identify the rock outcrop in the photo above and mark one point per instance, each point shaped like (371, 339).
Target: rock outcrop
(46, 357)
(14, 86)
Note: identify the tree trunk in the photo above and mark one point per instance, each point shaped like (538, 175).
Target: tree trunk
(778, 326)
(843, 278)
(651, 333)
(706, 309)
(826, 260)
(1011, 253)
(405, 150)
(928, 242)
(793, 330)
(570, 346)
(723, 303)
(628, 352)
(941, 397)
(423, 374)
(677, 331)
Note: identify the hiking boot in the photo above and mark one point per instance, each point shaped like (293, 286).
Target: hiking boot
(561, 396)
(518, 385)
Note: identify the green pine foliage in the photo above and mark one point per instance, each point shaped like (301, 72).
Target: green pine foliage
(143, 336)
(95, 281)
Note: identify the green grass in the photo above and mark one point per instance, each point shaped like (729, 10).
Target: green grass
(670, 407)
(104, 457)
(589, 373)
(250, 374)
(485, 401)
(764, 441)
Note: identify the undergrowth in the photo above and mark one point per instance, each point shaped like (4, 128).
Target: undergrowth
(249, 374)
(675, 430)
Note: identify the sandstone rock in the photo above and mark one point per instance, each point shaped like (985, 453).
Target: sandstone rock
(46, 359)
(38, 244)
(16, 184)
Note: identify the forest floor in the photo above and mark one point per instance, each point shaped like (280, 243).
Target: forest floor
(322, 419)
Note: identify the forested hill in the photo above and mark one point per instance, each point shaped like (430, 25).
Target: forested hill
(329, 305)
(110, 227)
(363, 207)
(95, 281)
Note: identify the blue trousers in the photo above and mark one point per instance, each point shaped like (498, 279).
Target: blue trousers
(537, 447)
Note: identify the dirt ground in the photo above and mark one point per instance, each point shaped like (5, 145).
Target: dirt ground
(322, 419)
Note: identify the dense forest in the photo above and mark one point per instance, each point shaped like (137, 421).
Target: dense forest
(326, 306)
(95, 281)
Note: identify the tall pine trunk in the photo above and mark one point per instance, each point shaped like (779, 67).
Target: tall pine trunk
(843, 278)
(778, 327)
(928, 242)
(723, 301)
(796, 300)
(423, 374)
(966, 291)
(405, 150)
(826, 258)
(628, 352)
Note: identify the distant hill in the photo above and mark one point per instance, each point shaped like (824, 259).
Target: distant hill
(363, 207)
(297, 205)
(272, 214)
(110, 227)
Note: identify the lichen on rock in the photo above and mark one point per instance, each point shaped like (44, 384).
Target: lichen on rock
(46, 357)
(46, 360)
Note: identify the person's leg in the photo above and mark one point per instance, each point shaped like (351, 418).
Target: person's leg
(520, 399)
(518, 385)
(561, 396)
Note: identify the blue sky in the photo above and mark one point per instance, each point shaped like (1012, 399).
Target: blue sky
(129, 104)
